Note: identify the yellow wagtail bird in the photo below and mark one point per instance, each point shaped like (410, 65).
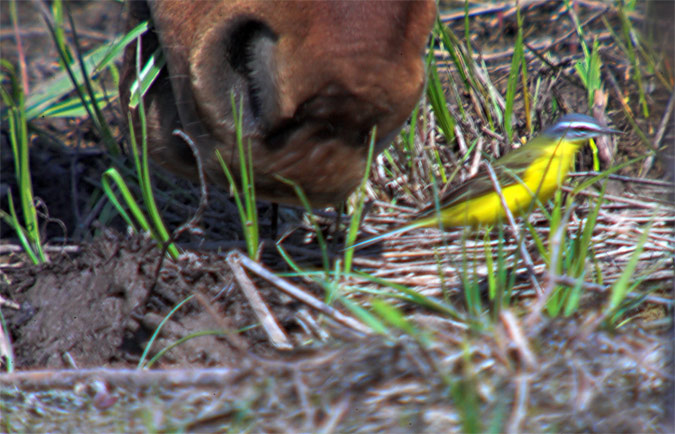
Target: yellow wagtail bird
(535, 170)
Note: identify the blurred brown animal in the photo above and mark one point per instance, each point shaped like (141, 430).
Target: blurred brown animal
(314, 76)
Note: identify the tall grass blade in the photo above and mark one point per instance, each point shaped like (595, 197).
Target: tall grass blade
(29, 231)
(623, 285)
(247, 208)
(516, 67)
(436, 96)
(355, 221)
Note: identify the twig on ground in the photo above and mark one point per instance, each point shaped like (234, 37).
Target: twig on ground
(522, 393)
(297, 293)
(666, 120)
(515, 332)
(274, 332)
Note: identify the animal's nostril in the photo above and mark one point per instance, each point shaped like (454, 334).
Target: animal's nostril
(242, 41)
(333, 115)
(250, 53)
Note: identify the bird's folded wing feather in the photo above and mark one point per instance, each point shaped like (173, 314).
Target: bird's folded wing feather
(509, 170)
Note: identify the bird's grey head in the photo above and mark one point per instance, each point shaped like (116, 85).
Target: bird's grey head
(577, 127)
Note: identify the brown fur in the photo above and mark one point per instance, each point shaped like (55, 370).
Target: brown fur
(315, 77)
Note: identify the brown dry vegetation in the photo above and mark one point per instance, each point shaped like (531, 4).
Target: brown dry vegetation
(79, 324)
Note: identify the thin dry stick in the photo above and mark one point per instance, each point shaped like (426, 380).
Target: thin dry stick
(461, 143)
(15, 248)
(520, 406)
(9, 303)
(515, 331)
(262, 312)
(589, 286)
(609, 197)
(478, 151)
(623, 178)
(665, 122)
(302, 391)
(297, 293)
(337, 413)
(308, 322)
(6, 352)
(135, 379)
(512, 222)
(476, 11)
(203, 197)
(605, 145)
(203, 203)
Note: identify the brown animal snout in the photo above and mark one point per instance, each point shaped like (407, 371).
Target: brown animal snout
(312, 80)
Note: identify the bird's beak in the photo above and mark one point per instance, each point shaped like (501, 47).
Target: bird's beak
(607, 130)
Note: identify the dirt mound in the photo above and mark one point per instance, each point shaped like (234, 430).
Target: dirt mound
(100, 305)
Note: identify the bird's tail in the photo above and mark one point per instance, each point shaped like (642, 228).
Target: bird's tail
(420, 223)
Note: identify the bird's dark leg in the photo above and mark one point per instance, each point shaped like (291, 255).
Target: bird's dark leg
(339, 209)
(274, 220)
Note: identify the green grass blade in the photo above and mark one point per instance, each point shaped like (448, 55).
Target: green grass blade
(512, 83)
(319, 234)
(73, 107)
(246, 205)
(18, 140)
(149, 74)
(622, 286)
(157, 227)
(13, 221)
(141, 362)
(395, 317)
(113, 175)
(355, 221)
(436, 97)
(415, 297)
(366, 317)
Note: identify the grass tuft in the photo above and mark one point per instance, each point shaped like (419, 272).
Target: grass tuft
(248, 210)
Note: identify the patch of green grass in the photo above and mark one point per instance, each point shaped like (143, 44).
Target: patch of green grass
(248, 210)
(82, 74)
(154, 224)
(617, 306)
(25, 227)
(47, 100)
(84, 87)
(436, 96)
(589, 67)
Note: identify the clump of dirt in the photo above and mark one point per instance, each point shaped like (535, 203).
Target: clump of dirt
(100, 305)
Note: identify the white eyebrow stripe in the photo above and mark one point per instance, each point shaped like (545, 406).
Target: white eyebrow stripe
(577, 124)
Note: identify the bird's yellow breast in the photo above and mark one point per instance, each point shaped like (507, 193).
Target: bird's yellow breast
(547, 173)
(542, 177)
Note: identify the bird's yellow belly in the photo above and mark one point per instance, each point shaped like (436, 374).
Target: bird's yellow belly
(542, 179)
(488, 209)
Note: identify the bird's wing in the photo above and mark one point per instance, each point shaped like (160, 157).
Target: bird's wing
(509, 170)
